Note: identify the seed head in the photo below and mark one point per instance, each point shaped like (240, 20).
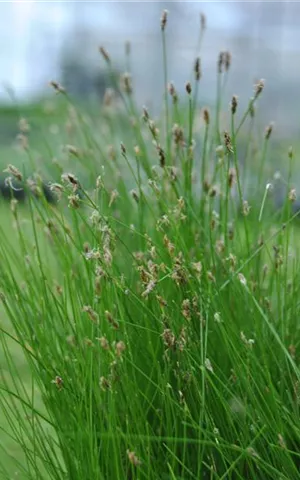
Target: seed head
(228, 144)
(104, 54)
(162, 157)
(206, 116)
(202, 21)
(258, 88)
(188, 88)
(197, 69)
(234, 104)
(169, 338)
(91, 313)
(126, 83)
(246, 208)
(57, 87)
(22, 141)
(227, 60)
(231, 177)
(14, 172)
(104, 384)
(208, 365)
(268, 131)
(178, 135)
(135, 195)
(58, 381)
(163, 20)
(172, 92)
(133, 459)
(24, 126)
(292, 195)
(123, 149)
(111, 320)
(120, 347)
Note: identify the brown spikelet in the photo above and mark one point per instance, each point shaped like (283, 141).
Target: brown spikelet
(206, 116)
(234, 104)
(227, 60)
(172, 92)
(188, 88)
(202, 21)
(126, 83)
(220, 62)
(163, 20)
(104, 54)
(258, 88)
(197, 69)
(57, 87)
(123, 149)
(162, 157)
(228, 144)
(268, 131)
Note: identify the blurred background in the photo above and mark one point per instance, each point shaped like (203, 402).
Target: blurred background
(59, 40)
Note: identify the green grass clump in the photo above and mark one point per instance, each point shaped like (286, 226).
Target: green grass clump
(150, 325)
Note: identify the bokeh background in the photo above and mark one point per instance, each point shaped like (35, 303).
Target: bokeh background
(59, 40)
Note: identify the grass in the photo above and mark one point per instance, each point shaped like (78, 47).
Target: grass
(149, 327)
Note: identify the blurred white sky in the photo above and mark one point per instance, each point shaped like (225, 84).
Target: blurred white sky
(264, 38)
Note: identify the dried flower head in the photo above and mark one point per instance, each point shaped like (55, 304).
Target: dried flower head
(227, 60)
(202, 21)
(113, 196)
(224, 61)
(227, 141)
(268, 131)
(24, 126)
(208, 365)
(231, 177)
(126, 83)
(91, 313)
(206, 116)
(22, 141)
(258, 88)
(135, 195)
(120, 347)
(163, 20)
(292, 195)
(186, 309)
(172, 92)
(162, 156)
(246, 208)
(234, 104)
(74, 201)
(104, 384)
(169, 338)
(57, 87)
(149, 288)
(178, 135)
(58, 381)
(111, 320)
(104, 54)
(188, 88)
(197, 69)
(103, 342)
(71, 179)
(133, 459)
(14, 172)
(108, 97)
